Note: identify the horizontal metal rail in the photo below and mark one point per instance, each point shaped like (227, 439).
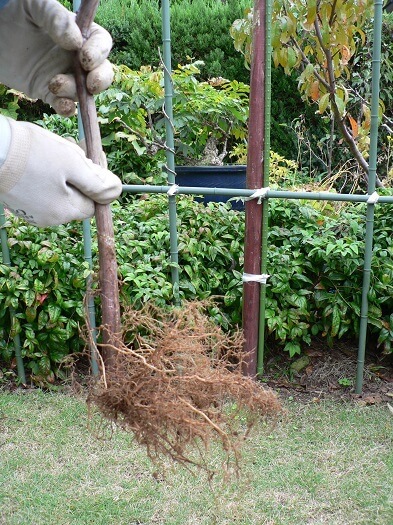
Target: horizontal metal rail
(270, 194)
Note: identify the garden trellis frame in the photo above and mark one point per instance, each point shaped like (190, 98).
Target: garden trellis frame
(370, 199)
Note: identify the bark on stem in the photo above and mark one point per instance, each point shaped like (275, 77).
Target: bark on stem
(110, 304)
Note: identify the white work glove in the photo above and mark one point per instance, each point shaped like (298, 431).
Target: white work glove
(38, 40)
(48, 180)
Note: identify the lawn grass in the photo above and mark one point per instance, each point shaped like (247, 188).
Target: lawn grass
(325, 463)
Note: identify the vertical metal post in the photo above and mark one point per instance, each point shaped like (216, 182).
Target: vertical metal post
(170, 144)
(89, 258)
(255, 163)
(90, 299)
(7, 261)
(376, 70)
(265, 183)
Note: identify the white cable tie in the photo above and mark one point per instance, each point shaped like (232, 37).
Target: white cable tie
(258, 194)
(249, 277)
(373, 199)
(173, 190)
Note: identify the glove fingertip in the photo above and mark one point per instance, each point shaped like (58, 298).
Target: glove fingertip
(64, 106)
(95, 49)
(71, 40)
(112, 190)
(100, 78)
(63, 86)
(108, 187)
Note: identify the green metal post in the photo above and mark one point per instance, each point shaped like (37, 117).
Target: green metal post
(170, 144)
(90, 299)
(265, 183)
(376, 70)
(89, 258)
(7, 261)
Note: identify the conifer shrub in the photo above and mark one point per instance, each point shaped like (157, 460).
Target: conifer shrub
(199, 30)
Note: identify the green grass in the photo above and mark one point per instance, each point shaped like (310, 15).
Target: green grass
(325, 463)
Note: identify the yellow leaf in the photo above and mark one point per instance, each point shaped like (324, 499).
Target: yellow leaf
(283, 57)
(354, 126)
(314, 90)
(367, 117)
(276, 59)
(276, 35)
(311, 12)
(345, 55)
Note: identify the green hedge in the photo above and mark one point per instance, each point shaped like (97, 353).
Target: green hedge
(315, 259)
(199, 30)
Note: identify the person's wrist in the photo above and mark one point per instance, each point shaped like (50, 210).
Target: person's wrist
(5, 138)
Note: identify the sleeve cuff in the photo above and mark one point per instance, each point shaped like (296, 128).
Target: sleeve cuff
(5, 138)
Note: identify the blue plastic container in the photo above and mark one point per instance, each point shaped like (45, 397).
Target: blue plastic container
(233, 176)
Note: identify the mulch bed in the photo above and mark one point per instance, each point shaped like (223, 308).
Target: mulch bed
(330, 373)
(319, 379)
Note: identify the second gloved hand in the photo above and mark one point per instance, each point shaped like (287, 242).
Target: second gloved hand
(48, 180)
(38, 40)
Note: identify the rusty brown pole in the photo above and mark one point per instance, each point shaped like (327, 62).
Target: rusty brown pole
(110, 305)
(255, 164)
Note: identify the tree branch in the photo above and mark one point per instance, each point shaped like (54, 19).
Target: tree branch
(307, 61)
(345, 132)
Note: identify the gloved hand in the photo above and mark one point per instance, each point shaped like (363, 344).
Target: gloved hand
(38, 39)
(48, 180)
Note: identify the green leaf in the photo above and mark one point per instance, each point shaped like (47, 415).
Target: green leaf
(336, 320)
(340, 105)
(54, 312)
(31, 313)
(330, 247)
(29, 297)
(38, 286)
(323, 103)
(58, 354)
(315, 329)
(42, 319)
(44, 364)
(139, 149)
(292, 58)
(292, 348)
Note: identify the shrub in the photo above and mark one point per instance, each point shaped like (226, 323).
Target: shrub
(315, 258)
(210, 251)
(133, 123)
(199, 29)
(298, 45)
(45, 286)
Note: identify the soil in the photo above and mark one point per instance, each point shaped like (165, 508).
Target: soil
(330, 373)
